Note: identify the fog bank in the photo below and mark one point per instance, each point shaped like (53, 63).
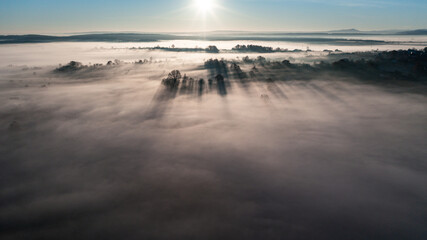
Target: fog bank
(110, 152)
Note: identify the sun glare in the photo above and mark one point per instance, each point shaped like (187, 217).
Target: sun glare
(204, 5)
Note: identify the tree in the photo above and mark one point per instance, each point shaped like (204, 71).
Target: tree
(175, 75)
(71, 67)
(173, 79)
(212, 49)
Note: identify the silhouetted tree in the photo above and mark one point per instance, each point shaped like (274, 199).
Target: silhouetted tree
(175, 75)
(261, 59)
(212, 49)
(253, 48)
(247, 60)
(173, 79)
(71, 67)
(215, 63)
(286, 63)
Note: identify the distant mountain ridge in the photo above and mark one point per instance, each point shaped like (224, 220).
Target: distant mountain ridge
(352, 30)
(336, 36)
(414, 32)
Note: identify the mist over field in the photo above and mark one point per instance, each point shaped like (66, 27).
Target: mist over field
(236, 145)
(213, 120)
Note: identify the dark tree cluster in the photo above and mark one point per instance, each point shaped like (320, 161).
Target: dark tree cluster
(74, 66)
(330, 51)
(212, 49)
(287, 63)
(260, 60)
(238, 71)
(215, 63)
(175, 49)
(403, 64)
(145, 61)
(71, 67)
(209, 49)
(253, 48)
(176, 84)
(262, 49)
(173, 79)
(115, 62)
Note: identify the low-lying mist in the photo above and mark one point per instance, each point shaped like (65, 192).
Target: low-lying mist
(210, 148)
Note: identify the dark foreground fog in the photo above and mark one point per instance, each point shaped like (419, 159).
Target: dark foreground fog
(233, 149)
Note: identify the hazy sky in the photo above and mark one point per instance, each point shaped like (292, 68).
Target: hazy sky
(63, 16)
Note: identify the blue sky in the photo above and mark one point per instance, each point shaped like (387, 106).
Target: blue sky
(60, 16)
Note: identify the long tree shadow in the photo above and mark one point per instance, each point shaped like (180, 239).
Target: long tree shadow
(242, 77)
(167, 91)
(218, 76)
(201, 87)
(222, 89)
(270, 82)
(326, 93)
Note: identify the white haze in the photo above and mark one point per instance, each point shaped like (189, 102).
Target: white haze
(95, 52)
(98, 156)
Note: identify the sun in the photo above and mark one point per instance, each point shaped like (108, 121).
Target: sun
(204, 5)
